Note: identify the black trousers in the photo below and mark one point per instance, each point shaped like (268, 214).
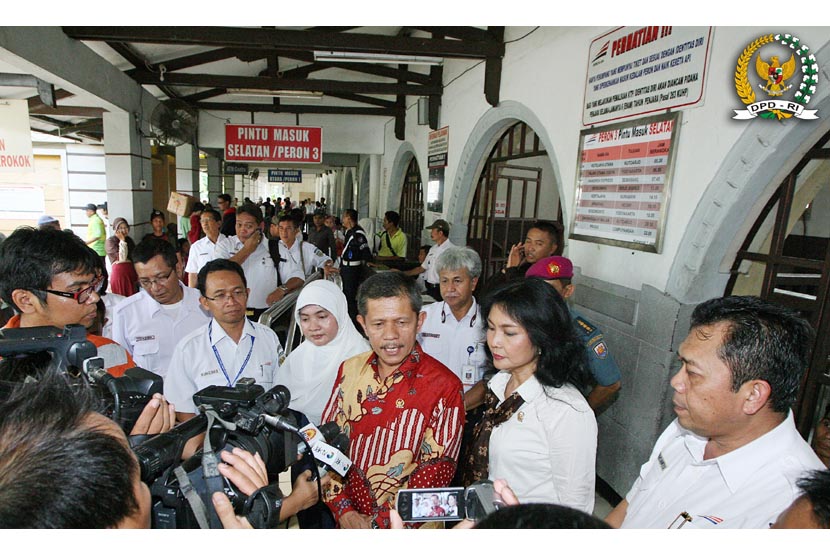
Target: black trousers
(351, 277)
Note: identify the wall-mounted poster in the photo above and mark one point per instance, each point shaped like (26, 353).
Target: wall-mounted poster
(623, 179)
(634, 71)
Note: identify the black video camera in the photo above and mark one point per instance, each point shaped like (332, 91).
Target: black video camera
(232, 417)
(122, 399)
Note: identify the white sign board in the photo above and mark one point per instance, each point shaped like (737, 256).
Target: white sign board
(15, 137)
(623, 182)
(641, 70)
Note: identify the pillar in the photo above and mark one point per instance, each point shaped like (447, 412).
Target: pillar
(129, 171)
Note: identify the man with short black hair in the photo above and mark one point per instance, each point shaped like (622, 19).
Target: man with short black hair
(150, 323)
(225, 349)
(249, 248)
(811, 510)
(298, 258)
(402, 409)
(96, 231)
(356, 253)
(321, 235)
(62, 465)
(440, 234)
(543, 239)
(202, 251)
(228, 214)
(392, 240)
(50, 277)
(732, 457)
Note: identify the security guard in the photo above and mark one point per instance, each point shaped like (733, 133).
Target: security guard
(356, 251)
(558, 272)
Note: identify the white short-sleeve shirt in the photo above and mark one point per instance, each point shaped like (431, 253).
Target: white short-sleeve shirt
(432, 256)
(746, 488)
(149, 333)
(547, 449)
(459, 345)
(201, 253)
(258, 267)
(195, 364)
(311, 256)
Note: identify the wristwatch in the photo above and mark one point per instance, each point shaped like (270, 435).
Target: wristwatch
(284, 288)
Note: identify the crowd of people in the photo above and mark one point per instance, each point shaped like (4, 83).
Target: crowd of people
(502, 385)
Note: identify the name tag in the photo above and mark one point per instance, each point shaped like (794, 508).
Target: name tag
(144, 338)
(210, 372)
(430, 335)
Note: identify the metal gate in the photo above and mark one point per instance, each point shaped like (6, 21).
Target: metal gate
(786, 258)
(412, 209)
(506, 200)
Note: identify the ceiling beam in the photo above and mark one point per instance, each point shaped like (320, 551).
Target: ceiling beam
(137, 60)
(463, 33)
(46, 91)
(270, 83)
(73, 111)
(257, 38)
(297, 109)
(364, 99)
(492, 71)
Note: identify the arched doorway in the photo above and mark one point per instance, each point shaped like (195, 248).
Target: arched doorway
(786, 258)
(412, 208)
(511, 194)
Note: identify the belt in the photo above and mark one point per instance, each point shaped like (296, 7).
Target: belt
(351, 263)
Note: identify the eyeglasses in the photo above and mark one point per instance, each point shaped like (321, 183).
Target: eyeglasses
(147, 284)
(81, 296)
(238, 295)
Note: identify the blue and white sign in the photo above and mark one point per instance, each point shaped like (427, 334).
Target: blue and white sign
(281, 175)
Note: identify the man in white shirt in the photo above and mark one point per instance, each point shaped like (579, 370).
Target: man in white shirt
(733, 456)
(226, 349)
(202, 250)
(249, 248)
(151, 322)
(440, 234)
(297, 255)
(452, 331)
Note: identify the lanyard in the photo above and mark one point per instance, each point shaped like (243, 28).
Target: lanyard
(219, 359)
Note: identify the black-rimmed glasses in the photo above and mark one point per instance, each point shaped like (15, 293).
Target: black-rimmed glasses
(147, 284)
(81, 296)
(238, 294)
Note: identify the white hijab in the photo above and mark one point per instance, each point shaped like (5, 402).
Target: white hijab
(309, 371)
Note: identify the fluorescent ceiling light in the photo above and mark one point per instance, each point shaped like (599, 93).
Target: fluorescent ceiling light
(311, 95)
(376, 58)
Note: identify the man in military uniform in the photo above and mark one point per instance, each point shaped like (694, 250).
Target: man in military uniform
(356, 251)
(558, 271)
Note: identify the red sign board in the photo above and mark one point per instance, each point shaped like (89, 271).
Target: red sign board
(273, 143)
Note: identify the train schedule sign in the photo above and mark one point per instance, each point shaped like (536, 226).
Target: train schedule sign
(624, 174)
(273, 143)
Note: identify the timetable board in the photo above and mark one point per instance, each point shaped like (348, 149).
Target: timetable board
(623, 182)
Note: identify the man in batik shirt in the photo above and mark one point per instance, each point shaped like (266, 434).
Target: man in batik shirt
(402, 409)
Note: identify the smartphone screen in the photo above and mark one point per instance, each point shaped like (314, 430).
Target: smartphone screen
(431, 504)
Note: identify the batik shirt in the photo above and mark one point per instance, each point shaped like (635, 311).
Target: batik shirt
(404, 431)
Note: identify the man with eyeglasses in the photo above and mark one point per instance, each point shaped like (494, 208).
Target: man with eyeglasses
(227, 348)
(49, 277)
(150, 323)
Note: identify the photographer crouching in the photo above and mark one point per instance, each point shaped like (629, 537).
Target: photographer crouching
(65, 465)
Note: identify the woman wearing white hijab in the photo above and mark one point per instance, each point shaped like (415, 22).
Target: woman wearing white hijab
(322, 314)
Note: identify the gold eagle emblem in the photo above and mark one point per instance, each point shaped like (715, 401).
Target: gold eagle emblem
(775, 74)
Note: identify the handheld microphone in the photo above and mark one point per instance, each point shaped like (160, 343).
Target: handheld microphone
(333, 457)
(325, 433)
